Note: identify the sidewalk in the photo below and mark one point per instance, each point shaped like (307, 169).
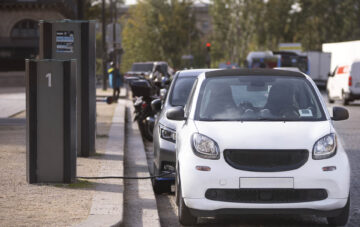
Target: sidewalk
(12, 101)
(106, 202)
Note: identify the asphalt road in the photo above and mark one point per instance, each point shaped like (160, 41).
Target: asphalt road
(349, 131)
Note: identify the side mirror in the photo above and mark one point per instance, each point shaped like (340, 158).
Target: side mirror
(340, 113)
(156, 105)
(176, 113)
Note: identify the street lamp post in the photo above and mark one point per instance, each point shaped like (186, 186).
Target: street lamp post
(103, 16)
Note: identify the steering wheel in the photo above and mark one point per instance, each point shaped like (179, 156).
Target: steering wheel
(290, 111)
(247, 105)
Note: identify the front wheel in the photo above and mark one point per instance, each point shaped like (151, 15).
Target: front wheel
(185, 217)
(329, 99)
(160, 186)
(345, 101)
(342, 218)
(144, 129)
(148, 133)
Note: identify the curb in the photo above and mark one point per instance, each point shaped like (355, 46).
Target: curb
(140, 200)
(108, 200)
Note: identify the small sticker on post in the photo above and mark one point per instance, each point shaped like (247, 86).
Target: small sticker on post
(64, 41)
(305, 113)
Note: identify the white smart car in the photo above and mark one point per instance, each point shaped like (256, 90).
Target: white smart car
(259, 141)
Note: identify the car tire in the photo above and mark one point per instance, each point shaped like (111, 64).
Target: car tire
(160, 186)
(329, 99)
(148, 131)
(144, 130)
(177, 180)
(345, 101)
(185, 217)
(342, 218)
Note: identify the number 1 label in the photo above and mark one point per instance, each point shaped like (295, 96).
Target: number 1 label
(48, 76)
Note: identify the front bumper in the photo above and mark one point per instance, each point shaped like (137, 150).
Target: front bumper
(195, 183)
(326, 208)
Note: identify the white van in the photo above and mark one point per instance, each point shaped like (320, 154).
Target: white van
(344, 83)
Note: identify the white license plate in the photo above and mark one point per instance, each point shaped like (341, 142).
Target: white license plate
(266, 182)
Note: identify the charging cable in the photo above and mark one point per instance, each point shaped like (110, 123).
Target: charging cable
(128, 178)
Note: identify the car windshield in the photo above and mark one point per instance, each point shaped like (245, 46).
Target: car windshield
(258, 98)
(142, 67)
(182, 88)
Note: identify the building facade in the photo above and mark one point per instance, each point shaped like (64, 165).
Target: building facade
(19, 33)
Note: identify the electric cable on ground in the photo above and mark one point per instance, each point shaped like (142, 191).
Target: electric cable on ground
(128, 178)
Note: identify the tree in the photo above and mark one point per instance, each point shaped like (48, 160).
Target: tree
(240, 26)
(157, 30)
(235, 27)
(328, 21)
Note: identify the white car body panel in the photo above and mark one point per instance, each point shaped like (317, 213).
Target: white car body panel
(260, 135)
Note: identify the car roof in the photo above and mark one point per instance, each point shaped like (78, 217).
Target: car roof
(295, 69)
(151, 62)
(260, 72)
(193, 72)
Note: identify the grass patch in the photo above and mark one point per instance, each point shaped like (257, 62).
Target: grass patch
(102, 136)
(77, 184)
(97, 154)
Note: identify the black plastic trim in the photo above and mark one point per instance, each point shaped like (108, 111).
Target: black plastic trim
(251, 167)
(219, 212)
(45, 40)
(67, 117)
(31, 120)
(85, 146)
(266, 195)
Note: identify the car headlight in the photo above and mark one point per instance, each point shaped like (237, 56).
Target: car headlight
(325, 147)
(167, 134)
(204, 147)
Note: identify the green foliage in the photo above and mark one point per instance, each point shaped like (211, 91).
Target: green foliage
(240, 26)
(158, 30)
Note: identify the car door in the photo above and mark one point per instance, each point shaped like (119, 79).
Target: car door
(340, 80)
(355, 78)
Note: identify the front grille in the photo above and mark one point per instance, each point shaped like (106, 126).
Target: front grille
(266, 160)
(266, 195)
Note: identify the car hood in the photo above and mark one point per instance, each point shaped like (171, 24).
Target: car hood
(264, 135)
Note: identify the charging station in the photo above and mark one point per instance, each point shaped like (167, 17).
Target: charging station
(50, 121)
(75, 39)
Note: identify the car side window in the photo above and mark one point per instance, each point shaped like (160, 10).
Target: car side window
(190, 100)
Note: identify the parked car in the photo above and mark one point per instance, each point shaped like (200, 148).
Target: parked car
(295, 69)
(259, 141)
(144, 69)
(165, 130)
(344, 83)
